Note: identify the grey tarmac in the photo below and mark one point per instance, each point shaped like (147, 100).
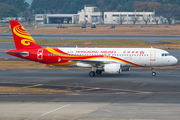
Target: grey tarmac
(149, 38)
(133, 95)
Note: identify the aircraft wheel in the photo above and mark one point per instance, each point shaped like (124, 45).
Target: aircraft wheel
(98, 72)
(153, 73)
(92, 74)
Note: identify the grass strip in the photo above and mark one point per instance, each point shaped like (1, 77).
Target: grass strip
(171, 41)
(19, 90)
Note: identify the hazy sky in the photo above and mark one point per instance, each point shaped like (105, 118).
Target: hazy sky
(29, 1)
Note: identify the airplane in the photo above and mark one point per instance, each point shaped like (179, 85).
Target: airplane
(108, 60)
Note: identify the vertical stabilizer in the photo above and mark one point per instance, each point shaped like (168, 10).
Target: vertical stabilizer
(22, 39)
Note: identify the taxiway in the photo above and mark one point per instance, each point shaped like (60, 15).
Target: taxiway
(131, 95)
(149, 38)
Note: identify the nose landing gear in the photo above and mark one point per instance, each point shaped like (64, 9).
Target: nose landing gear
(153, 72)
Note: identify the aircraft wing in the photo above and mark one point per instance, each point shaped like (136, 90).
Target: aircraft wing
(93, 63)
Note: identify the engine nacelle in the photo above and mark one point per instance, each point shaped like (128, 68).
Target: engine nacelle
(125, 68)
(112, 68)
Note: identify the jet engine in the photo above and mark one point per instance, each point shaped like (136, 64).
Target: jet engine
(112, 68)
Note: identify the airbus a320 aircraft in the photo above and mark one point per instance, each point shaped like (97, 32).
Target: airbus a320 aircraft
(108, 60)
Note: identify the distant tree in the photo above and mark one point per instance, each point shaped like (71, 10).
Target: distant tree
(156, 19)
(146, 18)
(126, 6)
(168, 11)
(113, 5)
(121, 18)
(19, 4)
(8, 11)
(134, 18)
(107, 2)
(147, 6)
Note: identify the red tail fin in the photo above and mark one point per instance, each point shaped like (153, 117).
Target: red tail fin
(22, 38)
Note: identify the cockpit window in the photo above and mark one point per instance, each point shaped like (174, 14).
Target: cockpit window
(166, 54)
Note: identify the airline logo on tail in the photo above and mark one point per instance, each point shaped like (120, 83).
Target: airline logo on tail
(22, 38)
(21, 32)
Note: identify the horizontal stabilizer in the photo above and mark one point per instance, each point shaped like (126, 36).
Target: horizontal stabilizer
(21, 53)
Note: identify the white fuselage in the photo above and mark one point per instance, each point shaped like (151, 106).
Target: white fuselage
(130, 57)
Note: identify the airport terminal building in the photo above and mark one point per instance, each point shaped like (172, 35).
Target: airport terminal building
(92, 15)
(129, 17)
(87, 15)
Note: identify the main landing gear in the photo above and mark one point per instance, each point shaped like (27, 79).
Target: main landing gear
(98, 72)
(153, 72)
(92, 73)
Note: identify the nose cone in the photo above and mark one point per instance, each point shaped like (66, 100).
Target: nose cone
(174, 61)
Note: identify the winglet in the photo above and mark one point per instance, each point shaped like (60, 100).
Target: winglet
(22, 38)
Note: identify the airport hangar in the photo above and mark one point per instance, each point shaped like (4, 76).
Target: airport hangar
(56, 18)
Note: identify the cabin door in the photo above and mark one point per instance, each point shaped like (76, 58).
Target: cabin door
(153, 55)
